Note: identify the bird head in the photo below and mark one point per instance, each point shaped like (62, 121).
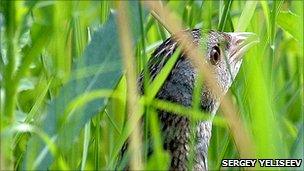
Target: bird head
(224, 53)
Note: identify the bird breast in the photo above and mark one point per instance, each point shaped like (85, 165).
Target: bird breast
(178, 88)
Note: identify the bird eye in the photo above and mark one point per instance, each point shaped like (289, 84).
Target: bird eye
(215, 55)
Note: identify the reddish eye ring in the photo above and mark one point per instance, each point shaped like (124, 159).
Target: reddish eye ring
(215, 55)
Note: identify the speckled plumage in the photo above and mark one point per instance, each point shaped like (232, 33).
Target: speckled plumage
(178, 88)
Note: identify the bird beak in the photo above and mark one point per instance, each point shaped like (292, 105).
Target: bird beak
(240, 42)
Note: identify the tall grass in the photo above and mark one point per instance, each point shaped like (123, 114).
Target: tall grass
(65, 97)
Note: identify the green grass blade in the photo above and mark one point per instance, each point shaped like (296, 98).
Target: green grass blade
(267, 16)
(86, 142)
(246, 16)
(224, 15)
(77, 87)
(289, 22)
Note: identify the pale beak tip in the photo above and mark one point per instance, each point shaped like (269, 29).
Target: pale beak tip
(244, 36)
(241, 42)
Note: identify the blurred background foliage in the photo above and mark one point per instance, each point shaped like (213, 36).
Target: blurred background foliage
(63, 93)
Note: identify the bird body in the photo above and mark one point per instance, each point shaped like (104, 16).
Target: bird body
(178, 88)
(223, 53)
